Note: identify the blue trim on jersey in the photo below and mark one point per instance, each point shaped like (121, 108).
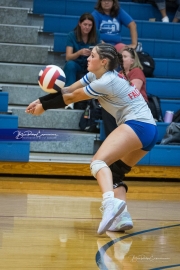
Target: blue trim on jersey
(86, 80)
(92, 92)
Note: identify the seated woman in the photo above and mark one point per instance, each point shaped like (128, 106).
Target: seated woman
(78, 48)
(110, 18)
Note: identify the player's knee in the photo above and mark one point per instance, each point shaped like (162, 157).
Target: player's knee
(96, 166)
(119, 169)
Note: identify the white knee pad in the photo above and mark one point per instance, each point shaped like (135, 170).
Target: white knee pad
(96, 165)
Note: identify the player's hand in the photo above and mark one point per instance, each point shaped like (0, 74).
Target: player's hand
(37, 110)
(32, 106)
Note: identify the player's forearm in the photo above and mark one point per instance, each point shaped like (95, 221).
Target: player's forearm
(71, 88)
(55, 102)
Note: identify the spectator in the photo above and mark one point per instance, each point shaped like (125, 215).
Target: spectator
(161, 4)
(78, 49)
(110, 18)
(133, 69)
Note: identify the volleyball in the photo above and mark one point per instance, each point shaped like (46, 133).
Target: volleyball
(51, 79)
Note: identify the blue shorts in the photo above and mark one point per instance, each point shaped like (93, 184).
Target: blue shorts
(147, 133)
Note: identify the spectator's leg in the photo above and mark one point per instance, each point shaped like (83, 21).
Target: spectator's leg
(162, 8)
(177, 15)
(71, 69)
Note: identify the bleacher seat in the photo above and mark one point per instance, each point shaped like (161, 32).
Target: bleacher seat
(14, 151)
(163, 88)
(10, 150)
(155, 30)
(8, 121)
(3, 102)
(162, 155)
(67, 7)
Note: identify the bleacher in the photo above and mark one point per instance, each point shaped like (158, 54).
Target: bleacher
(44, 26)
(11, 150)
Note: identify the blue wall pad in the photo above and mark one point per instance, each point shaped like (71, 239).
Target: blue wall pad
(161, 130)
(8, 121)
(159, 48)
(3, 102)
(145, 160)
(163, 88)
(59, 23)
(137, 11)
(102, 135)
(162, 155)
(14, 151)
(169, 105)
(153, 47)
(165, 155)
(155, 30)
(60, 42)
(46, 6)
(167, 68)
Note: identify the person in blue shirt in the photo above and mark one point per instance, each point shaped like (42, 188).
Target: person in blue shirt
(78, 47)
(109, 18)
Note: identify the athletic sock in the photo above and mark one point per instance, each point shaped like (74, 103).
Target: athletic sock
(108, 196)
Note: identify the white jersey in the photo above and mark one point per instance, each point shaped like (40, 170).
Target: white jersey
(117, 97)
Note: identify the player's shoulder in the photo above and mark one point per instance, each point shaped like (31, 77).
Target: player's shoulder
(108, 78)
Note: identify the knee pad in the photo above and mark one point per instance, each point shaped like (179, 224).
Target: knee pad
(119, 169)
(120, 184)
(96, 165)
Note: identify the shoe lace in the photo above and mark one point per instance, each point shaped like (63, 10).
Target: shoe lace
(107, 206)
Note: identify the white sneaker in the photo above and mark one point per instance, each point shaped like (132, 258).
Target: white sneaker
(165, 19)
(110, 210)
(122, 223)
(70, 106)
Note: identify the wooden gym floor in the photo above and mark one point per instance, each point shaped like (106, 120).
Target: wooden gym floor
(51, 223)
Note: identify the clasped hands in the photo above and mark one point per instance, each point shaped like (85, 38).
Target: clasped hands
(35, 108)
